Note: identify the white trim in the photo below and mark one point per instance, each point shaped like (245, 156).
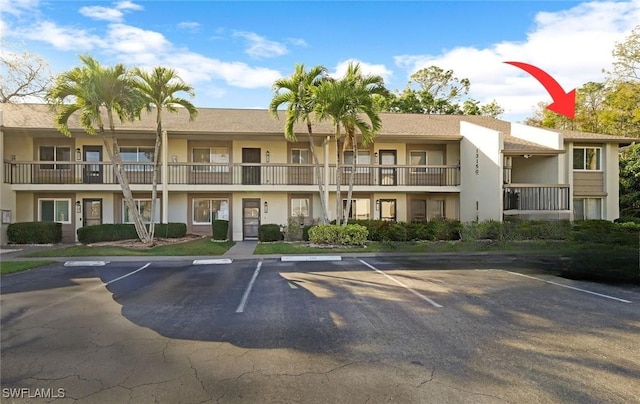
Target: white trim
(584, 159)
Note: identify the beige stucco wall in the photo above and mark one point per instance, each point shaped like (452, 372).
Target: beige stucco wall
(611, 181)
(535, 170)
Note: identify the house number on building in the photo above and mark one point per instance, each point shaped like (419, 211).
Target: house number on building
(477, 161)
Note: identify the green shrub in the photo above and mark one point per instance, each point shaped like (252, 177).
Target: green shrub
(394, 232)
(305, 232)
(269, 232)
(127, 231)
(627, 219)
(34, 232)
(352, 234)
(444, 229)
(416, 231)
(605, 232)
(220, 229)
(293, 231)
(169, 230)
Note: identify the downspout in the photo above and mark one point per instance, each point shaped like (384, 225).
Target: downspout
(165, 180)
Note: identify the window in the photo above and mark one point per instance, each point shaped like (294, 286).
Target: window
(206, 210)
(425, 157)
(300, 156)
(144, 207)
(55, 153)
(136, 155)
(587, 158)
(360, 208)
(587, 209)
(217, 156)
(364, 158)
(54, 210)
(299, 207)
(436, 209)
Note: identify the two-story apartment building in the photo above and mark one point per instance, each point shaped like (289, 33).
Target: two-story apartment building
(236, 165)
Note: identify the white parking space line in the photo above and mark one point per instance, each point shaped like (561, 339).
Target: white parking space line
(569, 287)
(85, 263)
(245, 297)
(304, 258)
(213, 261)
(420, 295)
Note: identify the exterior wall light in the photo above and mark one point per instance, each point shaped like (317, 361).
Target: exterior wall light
(78, 154)
(268, 156)
(266, 207)
(78, 207)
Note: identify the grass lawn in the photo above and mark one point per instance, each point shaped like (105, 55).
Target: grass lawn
(418, 247)
(9, 267)
(202, 246)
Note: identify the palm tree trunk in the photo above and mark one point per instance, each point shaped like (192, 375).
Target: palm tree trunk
(325, 217)
(122, 177)
(351, 178)
(154, 183)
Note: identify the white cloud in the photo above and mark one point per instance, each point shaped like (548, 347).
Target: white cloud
(189, 26)
(128, 5)
(366, 68)
(102, 13)
(130, 40)
(572, 45)
(261, 47)
(297, 42)
(18, 7)
(61, 38)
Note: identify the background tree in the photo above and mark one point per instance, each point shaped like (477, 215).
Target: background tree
(630, 182)
(92, 90)
(24, 76)
(296, 91)
(158, 89)
(433, 90)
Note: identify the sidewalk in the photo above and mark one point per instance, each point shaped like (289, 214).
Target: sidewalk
(243, 250)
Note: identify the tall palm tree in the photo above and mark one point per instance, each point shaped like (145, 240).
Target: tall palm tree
(350, 104)
(158, 89)
(91, 90)
(300, 103)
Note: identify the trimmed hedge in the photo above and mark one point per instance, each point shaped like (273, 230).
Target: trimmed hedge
(603, 263)
(127, 231)
(220, 229)
(35, 232)
(269, 232)
(351, 234)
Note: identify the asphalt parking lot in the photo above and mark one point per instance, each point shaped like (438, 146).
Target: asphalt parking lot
(358, 330)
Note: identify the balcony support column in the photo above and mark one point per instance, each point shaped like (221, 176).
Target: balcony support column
(164, 182)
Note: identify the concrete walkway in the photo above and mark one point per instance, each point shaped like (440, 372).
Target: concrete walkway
(242, 249)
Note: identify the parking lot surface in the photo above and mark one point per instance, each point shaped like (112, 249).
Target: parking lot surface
(358, 330)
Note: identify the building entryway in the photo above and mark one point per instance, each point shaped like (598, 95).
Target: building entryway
(91, 212)
(250, 218)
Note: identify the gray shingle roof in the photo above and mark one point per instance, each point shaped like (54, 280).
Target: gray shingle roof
(259, 121)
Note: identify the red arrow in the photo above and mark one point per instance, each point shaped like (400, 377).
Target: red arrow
(563, 103)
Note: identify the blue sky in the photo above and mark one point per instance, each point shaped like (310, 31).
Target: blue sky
(232, 51)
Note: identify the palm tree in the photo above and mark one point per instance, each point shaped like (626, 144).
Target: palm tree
(90, 90)
(300, 103)
(350, 103)
(157, 89)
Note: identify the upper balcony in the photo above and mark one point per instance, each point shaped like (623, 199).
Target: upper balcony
(230, 175)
